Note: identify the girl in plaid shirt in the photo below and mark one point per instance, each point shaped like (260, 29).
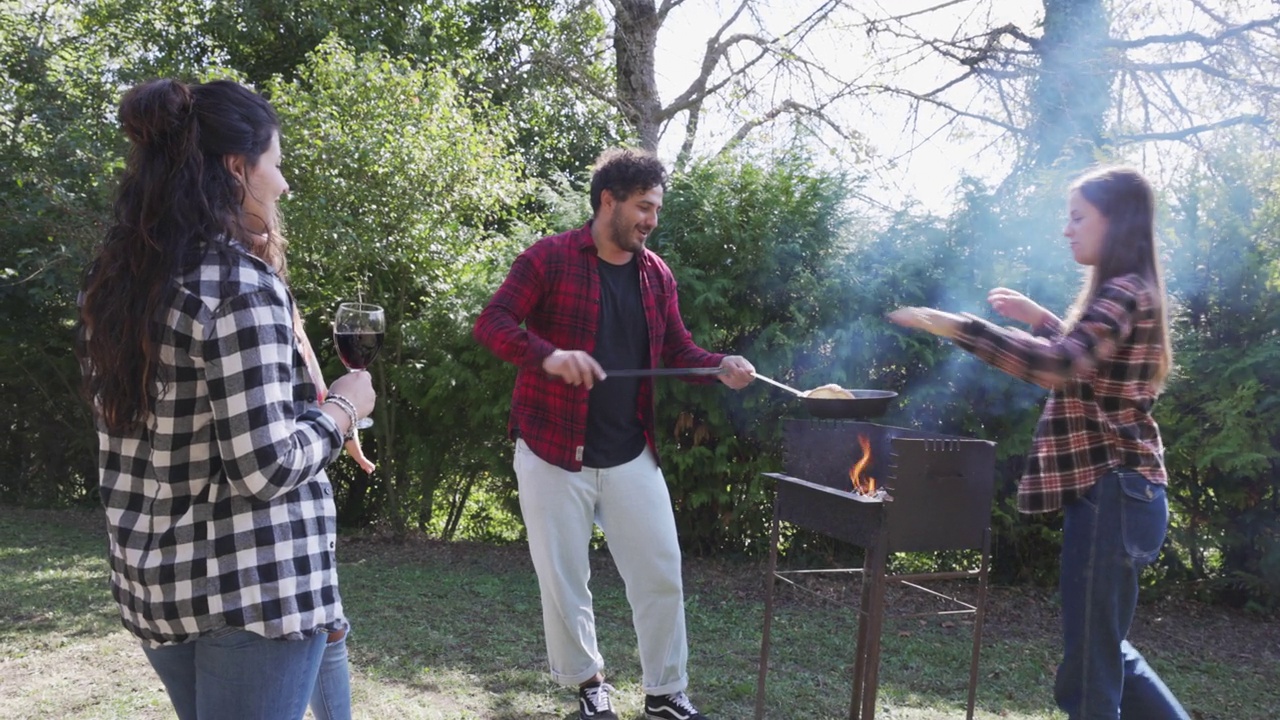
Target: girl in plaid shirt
(212, 446)
(1097, 453)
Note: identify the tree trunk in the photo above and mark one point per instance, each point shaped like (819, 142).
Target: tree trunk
(634, 38)
(1070, 99)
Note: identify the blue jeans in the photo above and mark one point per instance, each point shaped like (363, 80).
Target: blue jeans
(1109, 535)
(331, 700)
(238, 674)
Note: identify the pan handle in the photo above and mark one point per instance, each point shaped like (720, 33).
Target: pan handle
(660, 372)
(775, 383)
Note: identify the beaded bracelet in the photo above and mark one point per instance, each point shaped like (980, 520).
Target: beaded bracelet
(347, 407)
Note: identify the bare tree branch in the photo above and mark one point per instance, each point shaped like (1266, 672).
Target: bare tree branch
(668, 6)
(1185, 133)
(1073, 77)
(955, 81)
(1169, 67)
(716, 58)
(1007, 127)
(699, 89)
(917, 13)
(690, 135)
(784, 107)
(782, 47)
(1172, 85)
(1172, 96)
(1195, 37)
(573, 73)
(1216, 17)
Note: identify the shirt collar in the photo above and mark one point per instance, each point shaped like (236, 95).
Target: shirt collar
(587, 243)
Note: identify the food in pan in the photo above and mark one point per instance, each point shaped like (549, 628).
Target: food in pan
(830, 391)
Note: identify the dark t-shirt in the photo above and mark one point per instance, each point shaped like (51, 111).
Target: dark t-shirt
(615, 434)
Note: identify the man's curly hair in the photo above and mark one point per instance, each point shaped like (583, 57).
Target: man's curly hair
(623, 171)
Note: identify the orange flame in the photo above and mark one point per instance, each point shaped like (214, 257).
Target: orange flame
(863, 486)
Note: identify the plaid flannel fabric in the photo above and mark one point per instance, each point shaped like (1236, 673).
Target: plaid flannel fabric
(1098, 417)
(218, 508)
(551, 300)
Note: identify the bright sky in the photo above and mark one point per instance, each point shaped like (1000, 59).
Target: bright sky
(927, 173)
(904, 167)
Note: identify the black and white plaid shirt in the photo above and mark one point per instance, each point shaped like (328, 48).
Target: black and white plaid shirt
(219, 511)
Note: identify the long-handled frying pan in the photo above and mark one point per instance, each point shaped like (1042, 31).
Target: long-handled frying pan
(663, 372)
(864, 404)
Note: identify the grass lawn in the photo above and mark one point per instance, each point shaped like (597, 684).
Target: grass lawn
(454, 631)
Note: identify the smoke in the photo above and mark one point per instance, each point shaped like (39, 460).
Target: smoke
(951, 264)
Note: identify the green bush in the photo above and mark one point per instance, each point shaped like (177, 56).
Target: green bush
(401, 195)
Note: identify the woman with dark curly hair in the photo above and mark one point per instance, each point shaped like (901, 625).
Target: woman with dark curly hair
(212, 447)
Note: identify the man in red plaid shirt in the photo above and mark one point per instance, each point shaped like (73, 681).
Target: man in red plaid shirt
(572, 305)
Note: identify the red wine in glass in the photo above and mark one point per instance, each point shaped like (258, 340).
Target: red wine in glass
(357, 349)
(358, 329)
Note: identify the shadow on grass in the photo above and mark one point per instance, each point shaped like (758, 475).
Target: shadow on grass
(482, 617)
(459, 627)
(54, 580)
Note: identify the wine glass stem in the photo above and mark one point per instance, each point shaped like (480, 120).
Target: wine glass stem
(366, 422)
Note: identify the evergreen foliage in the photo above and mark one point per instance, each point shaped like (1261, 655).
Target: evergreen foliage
(422, 160)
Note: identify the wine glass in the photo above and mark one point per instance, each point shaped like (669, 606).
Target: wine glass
(357, 333)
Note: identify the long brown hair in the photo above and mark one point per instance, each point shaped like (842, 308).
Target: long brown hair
(176, 199)
(1124, 197)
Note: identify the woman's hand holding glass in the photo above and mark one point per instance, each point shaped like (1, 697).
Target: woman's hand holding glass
(357, 387)
(358, 329)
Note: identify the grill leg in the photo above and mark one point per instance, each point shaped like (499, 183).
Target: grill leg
(860, 654)
(979, 615)
(875, 627)
(769, 579)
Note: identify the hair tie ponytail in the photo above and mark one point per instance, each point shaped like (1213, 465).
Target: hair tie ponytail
(159, 114)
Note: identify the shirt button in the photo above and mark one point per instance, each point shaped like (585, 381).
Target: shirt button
(328, 489)
(331, 544)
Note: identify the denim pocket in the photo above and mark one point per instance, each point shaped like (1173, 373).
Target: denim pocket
(1144, 517)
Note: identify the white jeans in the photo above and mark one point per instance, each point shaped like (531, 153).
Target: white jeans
(631, 505)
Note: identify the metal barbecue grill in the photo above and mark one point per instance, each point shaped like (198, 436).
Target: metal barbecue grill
(937, 494)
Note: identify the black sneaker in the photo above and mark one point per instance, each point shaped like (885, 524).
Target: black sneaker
(593, 702)
(671, 707)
